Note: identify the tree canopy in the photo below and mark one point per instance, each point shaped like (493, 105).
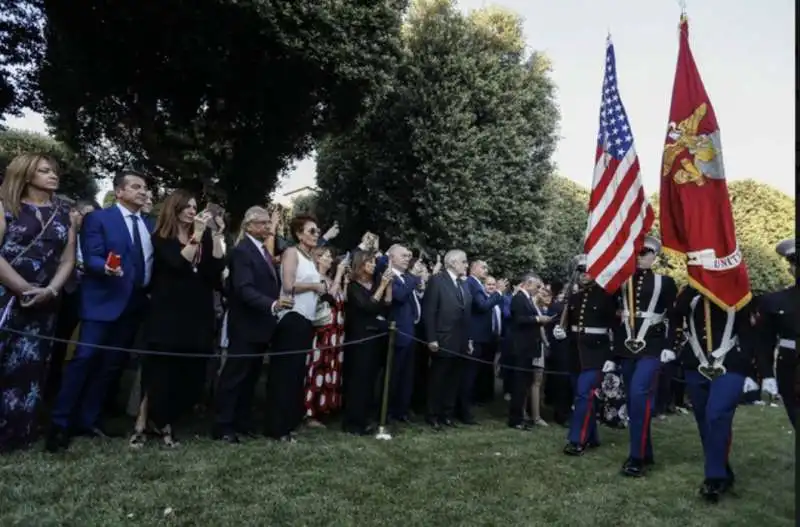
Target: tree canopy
(76, 181)
(218, 96)
(456, 152)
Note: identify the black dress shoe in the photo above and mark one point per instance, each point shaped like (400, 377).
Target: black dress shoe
(248, 433)
(226, 437)
(433, 423)
(57, 438)
(287, 439)
(633, 468)
(571, 449)
(520, 426)
(711, 490)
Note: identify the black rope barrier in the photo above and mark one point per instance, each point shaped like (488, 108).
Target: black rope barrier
(188, 355)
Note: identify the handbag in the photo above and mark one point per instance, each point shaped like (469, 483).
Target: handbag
(323, 315)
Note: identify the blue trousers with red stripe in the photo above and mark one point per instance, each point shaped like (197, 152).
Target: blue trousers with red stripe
(641, 387)
(583, 427)
(714, 404)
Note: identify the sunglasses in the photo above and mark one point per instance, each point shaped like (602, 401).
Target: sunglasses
(313, 231)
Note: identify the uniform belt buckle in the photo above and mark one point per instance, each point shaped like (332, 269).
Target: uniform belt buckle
(635, 345)
(711, 371)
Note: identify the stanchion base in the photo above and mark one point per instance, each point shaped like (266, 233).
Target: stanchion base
(383, 434)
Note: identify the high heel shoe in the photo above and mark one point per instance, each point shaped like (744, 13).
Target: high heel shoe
(137, 440)
(168, 439)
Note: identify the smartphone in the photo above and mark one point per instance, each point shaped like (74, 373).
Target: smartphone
(113, 260)
(346, 258)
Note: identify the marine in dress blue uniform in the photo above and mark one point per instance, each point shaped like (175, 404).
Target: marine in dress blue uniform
(647, 300)
(715, 378)
(589, 322)
(778, 324)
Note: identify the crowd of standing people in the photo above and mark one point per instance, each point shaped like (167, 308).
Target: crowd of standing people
(184, 289)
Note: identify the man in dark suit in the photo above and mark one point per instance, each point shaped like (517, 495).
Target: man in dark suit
(526, 324)
(253, 302)
(480, 332)
(113, 300)
(69, 309)
(446, 311)
(406, 311)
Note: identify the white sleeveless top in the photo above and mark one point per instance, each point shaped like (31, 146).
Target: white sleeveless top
(305, 303)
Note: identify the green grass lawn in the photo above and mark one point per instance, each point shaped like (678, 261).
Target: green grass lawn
(487, 475)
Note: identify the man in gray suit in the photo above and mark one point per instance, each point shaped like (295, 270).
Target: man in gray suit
(446, 313)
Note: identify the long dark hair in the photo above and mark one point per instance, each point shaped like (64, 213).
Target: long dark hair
(360, 259)
(167, 223)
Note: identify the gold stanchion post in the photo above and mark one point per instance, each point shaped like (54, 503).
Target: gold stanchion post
(383, 431)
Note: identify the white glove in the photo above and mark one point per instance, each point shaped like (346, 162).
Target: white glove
(559, 333)
(667, 356)
(769, 386)
(749, 385)
(609, 366)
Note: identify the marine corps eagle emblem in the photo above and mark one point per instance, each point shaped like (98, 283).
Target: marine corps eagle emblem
(704, 159)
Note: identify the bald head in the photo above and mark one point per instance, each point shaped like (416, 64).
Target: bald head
(399, 257)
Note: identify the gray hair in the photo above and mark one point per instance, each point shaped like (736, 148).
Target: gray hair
(530, 277)
(251, 215)
(393, 248)
(452, 256)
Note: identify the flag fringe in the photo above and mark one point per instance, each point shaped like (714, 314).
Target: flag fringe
(699, 287)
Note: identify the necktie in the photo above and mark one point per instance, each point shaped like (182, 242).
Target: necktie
(459, 292)
(496, 328)
(138, 253)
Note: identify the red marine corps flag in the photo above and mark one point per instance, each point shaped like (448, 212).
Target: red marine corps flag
(696, 217)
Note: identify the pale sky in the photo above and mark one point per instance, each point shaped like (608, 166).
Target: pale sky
(745, 54)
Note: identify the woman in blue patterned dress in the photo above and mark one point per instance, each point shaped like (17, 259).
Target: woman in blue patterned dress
(37, 255)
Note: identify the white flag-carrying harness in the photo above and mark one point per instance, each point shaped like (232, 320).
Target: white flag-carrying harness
(717, 368)
(649, 317)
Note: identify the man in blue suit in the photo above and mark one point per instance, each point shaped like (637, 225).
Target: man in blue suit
(112, 303)
(480, 332)
(405, 313)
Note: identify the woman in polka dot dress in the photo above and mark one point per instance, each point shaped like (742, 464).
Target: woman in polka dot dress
(324, 363)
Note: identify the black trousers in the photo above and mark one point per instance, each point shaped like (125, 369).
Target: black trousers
(67, 321)
(173, 384)
(444, 382)
(236, 386)
(521, 382)
(286, 377)
(419, 394)
(362, 363)
(484, 380)
(558, 387)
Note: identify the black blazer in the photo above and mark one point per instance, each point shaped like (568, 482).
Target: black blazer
(181, 314)
(254, 287)
(526, 338)
(447, 317)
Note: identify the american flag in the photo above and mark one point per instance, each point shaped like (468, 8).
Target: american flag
(619, 213)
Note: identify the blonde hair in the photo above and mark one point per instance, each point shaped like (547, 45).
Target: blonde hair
(250, 215)
(19, 172)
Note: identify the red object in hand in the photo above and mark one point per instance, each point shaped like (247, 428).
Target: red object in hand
(113, 261)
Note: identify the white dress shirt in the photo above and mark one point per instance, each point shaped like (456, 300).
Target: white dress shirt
(399, 275)
(144, 236)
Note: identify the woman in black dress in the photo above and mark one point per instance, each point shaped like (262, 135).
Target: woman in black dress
(366, 311)
(188, 260)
